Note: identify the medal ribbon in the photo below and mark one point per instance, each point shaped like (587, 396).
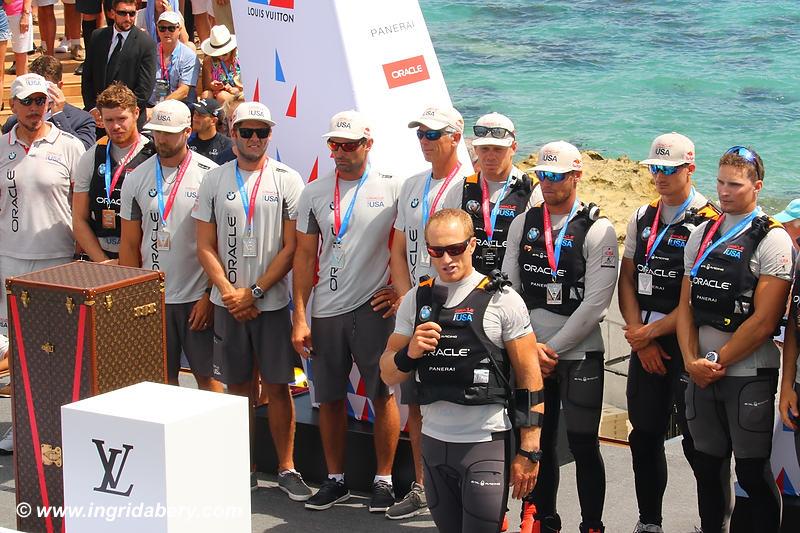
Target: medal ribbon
(489, 220)
(428, 211)
(705, 250)
(553, 255)
(653, 241)
(339, 226)
(111, 184)
(249, 206)
(163, 209)
(162, 63)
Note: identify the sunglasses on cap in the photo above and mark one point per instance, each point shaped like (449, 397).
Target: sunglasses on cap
(349, 146)
(452, 250)
(432, 135)
(664, 169)
(38, 100)
(123, 13)
(497, 133)
(743, 152)
(170, 28)
(548, 175)
(261, 133)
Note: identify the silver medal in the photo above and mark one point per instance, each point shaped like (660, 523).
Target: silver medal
(162, 240)
(249, 247)
(645, 285)
(337, 255)
(554, 294)
(424, 258)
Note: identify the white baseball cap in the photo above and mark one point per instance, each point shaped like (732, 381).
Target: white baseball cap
(170, 16)
(349, 125)
(559, 156)
(170, 116)
(670, 149)
(27, 84)
(494, 120)
(438, 118)
(252, 111)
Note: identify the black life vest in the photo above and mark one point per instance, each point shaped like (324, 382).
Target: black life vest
(534, 269)
(666, 263)
(466, 367)
(489, 255)
(722, 291)
(97, 189)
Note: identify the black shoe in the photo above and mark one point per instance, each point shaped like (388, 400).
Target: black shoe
(79, 70)
(382, 497)
(329, 494)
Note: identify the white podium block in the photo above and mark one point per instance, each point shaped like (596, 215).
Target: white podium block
(157, 458)
(4, 530)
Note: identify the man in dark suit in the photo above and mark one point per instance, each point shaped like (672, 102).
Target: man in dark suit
(121, 52)
(63, 115)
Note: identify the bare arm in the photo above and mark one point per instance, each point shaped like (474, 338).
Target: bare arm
(282, 263)
(390, 374)
(626, 288)
(398, 265)
(788, 397)
(208, 258)
(180, 93)
(687, 332)
(303, 271)
(130, 243)
(83, 232)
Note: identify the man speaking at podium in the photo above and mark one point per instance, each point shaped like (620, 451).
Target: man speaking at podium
(459, 335)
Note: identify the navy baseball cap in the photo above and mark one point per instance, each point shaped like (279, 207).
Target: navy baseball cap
(208, 106)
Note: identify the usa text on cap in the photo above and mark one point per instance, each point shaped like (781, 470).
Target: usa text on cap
(670, 149)
(170, 116)
(559, 156)
(438, 118)
(252, 111)
(349, 125)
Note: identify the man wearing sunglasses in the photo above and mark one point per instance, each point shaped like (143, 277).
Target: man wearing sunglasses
(439, 131)
(120, 52)
(177, 66)
(562, 259)
(460, 358)
(352, 212)
(39, 163)
(737, 274)
(649, 291)
(496, 194)
(246, 212)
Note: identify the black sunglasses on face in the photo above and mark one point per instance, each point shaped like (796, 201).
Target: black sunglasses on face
(170, 29)
(261, 133)
(38, 100)
(122, 13)
(453, 250)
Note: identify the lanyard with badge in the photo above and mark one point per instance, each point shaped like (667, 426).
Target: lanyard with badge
(705, 250)
(340, 226)
(164, 209)
(162, 85)
(429, 209)
(249, 242)
(645, 285)
(489, 254)
(108, 214)
(554, 289)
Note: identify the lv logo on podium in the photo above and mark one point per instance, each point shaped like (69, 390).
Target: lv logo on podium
(110, 479)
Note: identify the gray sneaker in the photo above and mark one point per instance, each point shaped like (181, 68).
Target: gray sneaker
(411, 505)
(293, 485)
(647, 528)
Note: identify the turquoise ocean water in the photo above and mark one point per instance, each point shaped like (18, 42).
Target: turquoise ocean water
(610, 75)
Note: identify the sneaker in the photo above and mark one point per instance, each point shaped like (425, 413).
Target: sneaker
(413, 504)
(12, 69)
(504, 527)
(292, 484)
(76, 52)
(647, 528)
(528, 517)
(253, 482)
(382, 497)
(7, 442)
(62, 47)
(329, 494)
(591, 529)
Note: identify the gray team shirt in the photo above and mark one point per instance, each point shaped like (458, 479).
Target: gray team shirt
(219, 202)
(773, 257)
(409, 215)
(366, 242)
(571, 337)
(185, 279)
(85, 171)
(506, 319)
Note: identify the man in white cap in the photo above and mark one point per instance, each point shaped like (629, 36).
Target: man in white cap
(497, 193)
(351, 211)
(177, 66)
(439, 130)
(158, 233)
(246, 212)
(38, 162)
(649, 291)
(562, 259)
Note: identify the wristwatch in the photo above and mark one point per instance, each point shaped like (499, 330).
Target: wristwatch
(257, 291)
(533, 457)
(713, 357)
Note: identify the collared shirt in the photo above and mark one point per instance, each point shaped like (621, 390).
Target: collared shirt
(35, 213)
(114, 40)
(184, 67)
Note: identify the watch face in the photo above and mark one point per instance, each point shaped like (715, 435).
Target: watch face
(712, 356)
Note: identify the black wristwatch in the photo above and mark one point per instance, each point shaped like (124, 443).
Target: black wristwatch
(257, 291)
(533, 457)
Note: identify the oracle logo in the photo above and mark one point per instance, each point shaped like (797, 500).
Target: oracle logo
(406, 71)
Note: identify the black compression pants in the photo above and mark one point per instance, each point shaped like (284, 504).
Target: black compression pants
(466, 484)
(577, 386)
(651, 400)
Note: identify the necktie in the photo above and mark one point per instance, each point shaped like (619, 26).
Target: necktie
(112, 61)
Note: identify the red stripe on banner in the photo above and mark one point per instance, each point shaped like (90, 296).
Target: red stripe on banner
(314, 171)
(76, 381)
(26, 381)
(256, 95)
(291, 111)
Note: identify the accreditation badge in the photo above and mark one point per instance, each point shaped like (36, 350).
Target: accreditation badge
(489, 256)
(162, 240)
(337, 255)
(249, 247)
(554, 294)
(109, 218)
(424, 258)
(645, 286)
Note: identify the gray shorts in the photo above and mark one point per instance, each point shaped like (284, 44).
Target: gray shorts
(197, 345)
(264, 341)
(734, 412)
(359, 336)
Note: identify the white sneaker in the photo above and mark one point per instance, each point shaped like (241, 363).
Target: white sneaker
(7, 442)
(62, 47)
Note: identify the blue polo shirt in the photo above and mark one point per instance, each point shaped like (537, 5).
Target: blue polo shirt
(184, 67)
